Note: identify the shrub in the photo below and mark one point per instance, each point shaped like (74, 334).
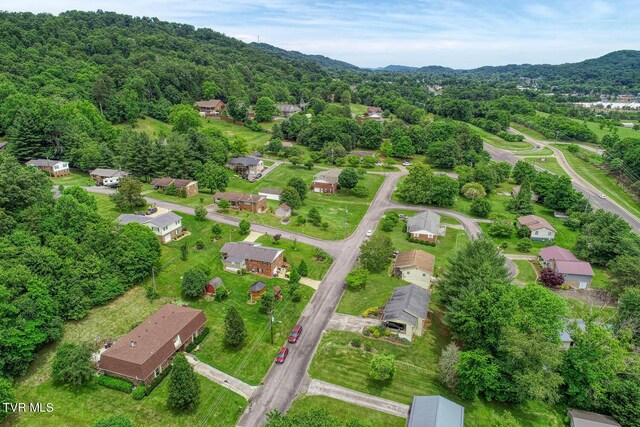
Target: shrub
(523, 232)
(200, 213)
(245, 227)
(296, 296)
(481, 208)
(382, 367)
(72, 364)
(357, 279)
(367, 346)
(301, 220)
(224, 205)
(198, 340)
(371, 312)
(523, 245)
(194, 281)
(376, 333)
(504, 245)
(551, 278)
(360, 191)
(356, 342)
(115, 383)
(199, 245)
(139, 392)
(157, 380)
(152, 294)
(222, 293)
(387, 333)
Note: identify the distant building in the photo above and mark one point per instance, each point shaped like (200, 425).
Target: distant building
(371, 110)
(288, 109)
(435, 411)
(406, 311)
(55, 168)
(326, 181)
(247, 167)
(590, 419)
(425, 226)
(244, 202)
(415, 267)
(254, 257)
(107, 177)
(146, 351)
(540, 229)
(209, 108)
(270, 193)
(167, 226)
(283, 211)
(576, 273)
(627, 125)
(184, 187)
(565, 336)
(516, 190)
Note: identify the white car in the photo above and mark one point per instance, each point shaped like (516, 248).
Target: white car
(406, 163)
(602, 196)
(369, 233)
(378, 163)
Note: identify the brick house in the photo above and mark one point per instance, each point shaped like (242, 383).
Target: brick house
(142, 354)
(167, 226)
(253, 257)
(540, 229)
(425, 226)
(107, 177)
(55, 168)
(326, 181)
(184, 187)
(210, 108)
(244, 202)
(247, 167)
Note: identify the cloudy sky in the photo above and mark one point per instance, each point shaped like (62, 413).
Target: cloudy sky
(460, 34)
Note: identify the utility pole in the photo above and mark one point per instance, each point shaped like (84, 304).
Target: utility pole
(271, 324)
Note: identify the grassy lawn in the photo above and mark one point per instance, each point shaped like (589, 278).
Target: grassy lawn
(255, 140)
(76, 178)
(528, 131)
(379, 288)
(357, 109)
(345, 411)
(545, 151)
(550, 164)
(203, 198)
(148, 125)
(417, 374)
(498, 142)
(581, 310)
(600, 179)
(295, 252)
(526, 272)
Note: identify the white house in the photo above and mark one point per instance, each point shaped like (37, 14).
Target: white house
(415, 267)
(167, 226)
(541, 230)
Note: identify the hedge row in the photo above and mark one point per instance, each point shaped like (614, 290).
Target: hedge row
(115, 383)
(197, 340)
(157, 380)
(139, 392)
(420, 242)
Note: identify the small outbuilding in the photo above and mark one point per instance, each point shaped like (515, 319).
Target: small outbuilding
(283, 211)
(257, 290)
(213, 285)
(270, 193)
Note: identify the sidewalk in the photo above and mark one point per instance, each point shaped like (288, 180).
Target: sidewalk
(235, 385)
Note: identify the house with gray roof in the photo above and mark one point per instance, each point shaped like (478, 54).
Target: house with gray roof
(247, 167)
(288, 109)
(435, 411)
(406, 311)
(55, 168)
(107, 177)
(425, 226)
(565, 334)
(167, 226)
(326, 181)
(590, 419)
(253, 257)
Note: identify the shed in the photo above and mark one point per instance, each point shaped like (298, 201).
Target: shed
(213, 285)
(283, 211)
(270, 193)
(257, 290)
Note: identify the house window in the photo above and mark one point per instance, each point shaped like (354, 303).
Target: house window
(177, 342)
(535, 233)
(158, 371)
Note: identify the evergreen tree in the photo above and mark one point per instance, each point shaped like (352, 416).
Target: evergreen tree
(303, 269)
(521, 203)
(184, 387)
(235, 333)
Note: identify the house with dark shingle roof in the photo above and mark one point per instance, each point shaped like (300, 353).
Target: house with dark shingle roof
(241, 201)
(576, 273)
(258, 259)
(184, 187)
(55, 168)
(425, 226)
(540, 229)
(406, 311)
(415, 267)
(167, 226)
(326, 181)
(246, 166)
(435, 411)
(209, 108)
(142, 354)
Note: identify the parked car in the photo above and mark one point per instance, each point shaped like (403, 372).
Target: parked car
(602, 196)
(295, 334)
(403, 217)
(151, 210)
(280, 358)
(378, 163)
(369, 233)
(406, 163)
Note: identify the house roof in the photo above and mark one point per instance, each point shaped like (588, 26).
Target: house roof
(238, 197)
(183, 183)
(178, 183)
(257, 287)
(330, 176)
(590, 419)
(426, 220)
(275, 191)
(284, 206)
(435, 411)
(212, 103)
(109, 173)
(408, 303)
(245, 161)
(565, 336)
(363, 153)
(250, 251)
(534, 222)
(580, 268)
(415, 258)
(43, 162)
(288, 108)
(161, 182)
(557, 253)
(373, 109)
(159, 221)
(142, 350)
(215, 282)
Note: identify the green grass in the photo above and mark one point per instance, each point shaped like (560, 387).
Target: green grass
(599, 178)
(76, 178)
(107, 208)
(295, 252)
(149, 125)
(417, 374)
(345, 411)
(545, 151)
(528, 131)
(498, 142)
(255, 140)
(203, 198)
(379, 288)
(357, 109)
(550, 164)
(526, 272)
(580, 310)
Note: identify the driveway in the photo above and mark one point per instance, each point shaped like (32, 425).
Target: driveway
(235, 385)
(349, 323)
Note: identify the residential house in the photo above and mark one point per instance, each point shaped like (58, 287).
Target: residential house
(374, 113)
(270, 193)
(363, 153)
(3, 145)
(516, 190)
(107, 177)
(283, 211)
(326, 181)
(287, 144)
(210, 108)
(565, 335)
(213, 286)
(576, 273)
(142, 354)
(425, 226)
(371, 110)
(167, 226)
(54, 168)
(406, 311)
(415, 267)
(247, 167)
(288, 109)
(541, 230)
(434, 411)
(243, 202)
(254, 257)
(257, 290)
(184, 187)
(581, 418)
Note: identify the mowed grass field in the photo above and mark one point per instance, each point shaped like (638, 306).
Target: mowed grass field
(498, 142)
(548, 163)
(82, 406)
(526, 271)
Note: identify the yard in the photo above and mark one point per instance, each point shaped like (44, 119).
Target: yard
(75, 178)
(339, 362)
(548, 163)
(498, 142)
(255, 140)
(345, 411)
(526, 271)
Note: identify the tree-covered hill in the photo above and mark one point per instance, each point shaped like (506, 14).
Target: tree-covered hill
(319, 59)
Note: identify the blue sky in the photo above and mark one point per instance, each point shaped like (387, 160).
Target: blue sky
(460, 34)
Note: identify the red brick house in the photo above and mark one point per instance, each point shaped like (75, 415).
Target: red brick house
(254, 257)
(209, 108)
(142, 354)
(244, 202)
(55, 168)
(326, 181)
(184, 187)
(425, 226)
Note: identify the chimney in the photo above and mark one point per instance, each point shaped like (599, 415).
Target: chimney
(133, 344)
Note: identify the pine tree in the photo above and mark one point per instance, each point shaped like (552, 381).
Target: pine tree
(303, 270)
(184, 387)
(234, 330)
(521, 202)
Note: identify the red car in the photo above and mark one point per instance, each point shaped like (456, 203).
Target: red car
(295, 334)
(284, 351)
